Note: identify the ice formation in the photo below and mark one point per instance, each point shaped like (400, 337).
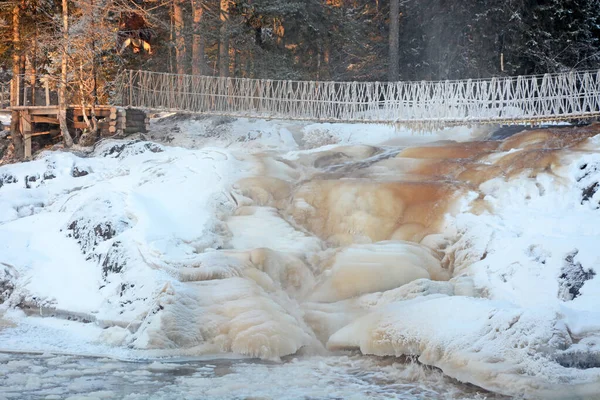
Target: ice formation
(372, 268)
(476, 257)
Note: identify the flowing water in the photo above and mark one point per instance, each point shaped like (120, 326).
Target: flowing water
(336, 377)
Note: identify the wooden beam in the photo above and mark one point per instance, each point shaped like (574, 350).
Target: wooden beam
(41, 119)
(78, 125)
(50, 132)
(100, 112)
(34, 108)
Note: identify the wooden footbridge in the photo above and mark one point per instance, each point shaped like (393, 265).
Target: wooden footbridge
(38, 115)
(510, 100)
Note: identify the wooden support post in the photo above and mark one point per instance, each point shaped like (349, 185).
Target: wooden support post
(47, 88)
(18, 94)
(121, 118)
(130, 88)
(27, 141)
(25, 119)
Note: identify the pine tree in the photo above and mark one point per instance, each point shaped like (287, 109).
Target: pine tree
(198, 41)
(179, 28)
(224, 38)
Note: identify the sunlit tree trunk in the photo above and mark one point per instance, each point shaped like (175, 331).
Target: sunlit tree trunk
(32, 76)
(33, 58)
(17, 138)
(22, 64)
(62, 88)
(394, 60)
(179, 26)
(94, 72)
(224, 39)
(198, 43)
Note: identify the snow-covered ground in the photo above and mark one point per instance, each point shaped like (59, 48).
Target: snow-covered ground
(281, 135)
(213, 237)
(4, 119)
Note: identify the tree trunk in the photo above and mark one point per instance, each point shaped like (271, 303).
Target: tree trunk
(327, 58)
(32, 80)
(224, 40)
(198, 43)
(178, 23)
(94, 75)
(33, 77)
(22, 63)
(236, 63)
(62, 88)
(394, 61)
(94, 71)
(90, 135)
(17, 138)
(171, 39)
(33, 60)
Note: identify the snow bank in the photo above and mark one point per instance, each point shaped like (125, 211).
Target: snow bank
(256, 227)
(5, 119)
(281, 135)
(486, 342)
(123, 239)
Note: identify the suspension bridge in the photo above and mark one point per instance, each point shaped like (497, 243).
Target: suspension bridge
(536, 99)
(567, 96)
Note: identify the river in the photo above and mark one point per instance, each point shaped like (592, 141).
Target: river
(47, 376)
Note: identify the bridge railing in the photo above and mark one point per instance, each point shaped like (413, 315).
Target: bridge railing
(550, 97)
(33, 91)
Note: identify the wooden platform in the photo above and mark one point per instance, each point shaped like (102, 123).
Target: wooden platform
(43, 120)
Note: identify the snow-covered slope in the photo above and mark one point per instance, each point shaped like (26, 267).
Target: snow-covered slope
(117, 239)
(479, 258)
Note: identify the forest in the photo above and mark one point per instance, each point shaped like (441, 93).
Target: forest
(341, 40)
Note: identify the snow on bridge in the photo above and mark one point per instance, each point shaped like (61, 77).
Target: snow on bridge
(523, 99)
